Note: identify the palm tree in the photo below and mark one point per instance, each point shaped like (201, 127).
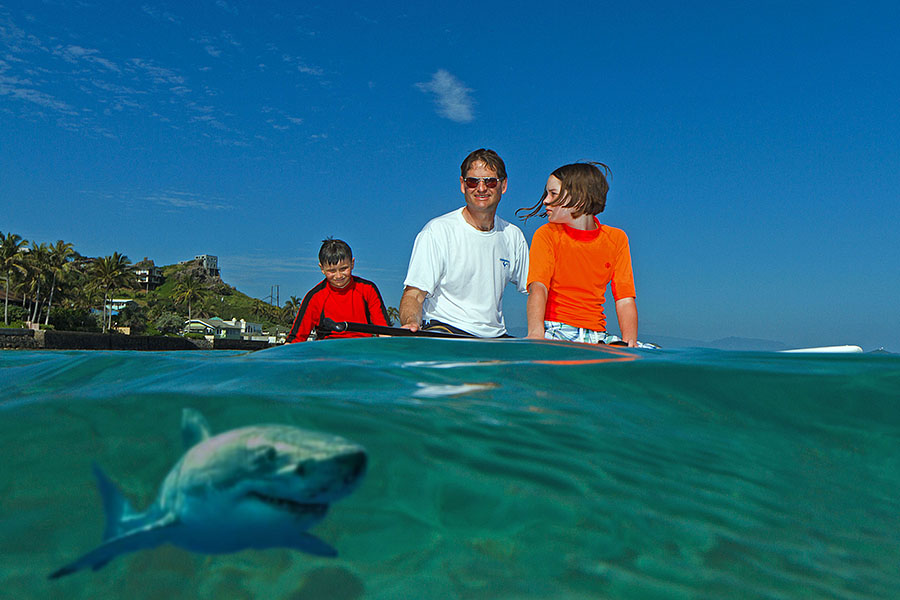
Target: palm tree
(37, 262)
(10, 261)
(261, 309)
(289, 311)
(187, 291)
(393, 315)
(111, 272)
(60, 253)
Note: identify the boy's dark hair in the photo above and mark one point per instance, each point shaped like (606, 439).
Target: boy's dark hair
(490, 158)
(583, 187)
(334, 251)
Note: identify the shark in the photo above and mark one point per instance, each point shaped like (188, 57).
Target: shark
(260, 486)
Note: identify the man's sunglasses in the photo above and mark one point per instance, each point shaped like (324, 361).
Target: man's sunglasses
(489, 182)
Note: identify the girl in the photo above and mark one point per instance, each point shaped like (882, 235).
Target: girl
(574, 257)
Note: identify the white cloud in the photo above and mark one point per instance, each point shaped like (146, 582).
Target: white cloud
(273, 264)
(228, 37)
(157, 74)
(175, 199)
(19, 88)
(160, 15)
(450, 96)
(73, 54)
(227, 7)
(301, 66)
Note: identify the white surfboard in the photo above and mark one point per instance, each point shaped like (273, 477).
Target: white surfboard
(848, 349)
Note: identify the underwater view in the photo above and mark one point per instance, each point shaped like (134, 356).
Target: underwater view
(479, 469)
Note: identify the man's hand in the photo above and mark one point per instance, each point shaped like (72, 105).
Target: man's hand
(411, 308)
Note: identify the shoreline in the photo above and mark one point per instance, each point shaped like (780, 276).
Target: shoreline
(48, 339)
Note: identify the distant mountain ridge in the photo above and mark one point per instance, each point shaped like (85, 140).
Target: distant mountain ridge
(727, 343)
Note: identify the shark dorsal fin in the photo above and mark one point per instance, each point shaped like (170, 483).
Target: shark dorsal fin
(194, 428)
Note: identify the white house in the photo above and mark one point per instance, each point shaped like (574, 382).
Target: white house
(213, 328)
(149, 276)
(114, 305)
(249, 330)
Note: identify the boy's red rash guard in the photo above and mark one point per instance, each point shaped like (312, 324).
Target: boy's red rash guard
(358, 302)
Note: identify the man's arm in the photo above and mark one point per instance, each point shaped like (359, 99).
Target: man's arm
(626, 311)
(535, 308)
(411, 308)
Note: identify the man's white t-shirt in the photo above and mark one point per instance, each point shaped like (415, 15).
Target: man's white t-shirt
(463, 271)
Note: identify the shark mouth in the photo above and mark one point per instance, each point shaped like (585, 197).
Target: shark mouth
(291, 506)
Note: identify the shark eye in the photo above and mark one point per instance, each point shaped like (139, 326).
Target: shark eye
(301, 469)
(266, 454)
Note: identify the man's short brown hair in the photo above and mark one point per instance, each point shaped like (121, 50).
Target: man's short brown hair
(490, 158)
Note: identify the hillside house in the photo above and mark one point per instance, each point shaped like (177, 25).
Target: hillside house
(213, 327)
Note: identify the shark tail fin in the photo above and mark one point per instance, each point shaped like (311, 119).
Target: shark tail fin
(115, 506)
(194, 428)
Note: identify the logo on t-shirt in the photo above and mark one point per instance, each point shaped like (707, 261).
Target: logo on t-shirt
(505, 263)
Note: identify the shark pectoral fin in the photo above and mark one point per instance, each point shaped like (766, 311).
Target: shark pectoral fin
(307, 542)
(194, 428)
(147, 536)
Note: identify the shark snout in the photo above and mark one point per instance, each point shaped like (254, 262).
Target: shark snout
(353, 465)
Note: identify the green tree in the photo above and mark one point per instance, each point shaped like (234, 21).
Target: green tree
(169, 322)
(289, 311)
(37, 266)
(11, 261)
(393, 315)
(59, 261)
(109, 273)
(73, 319)
(262, 310)
(187, 291)
(134, 316)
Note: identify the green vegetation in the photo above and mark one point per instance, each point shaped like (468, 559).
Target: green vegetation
(58, 287)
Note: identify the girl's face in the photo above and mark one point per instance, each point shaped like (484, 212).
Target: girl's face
(556, 214)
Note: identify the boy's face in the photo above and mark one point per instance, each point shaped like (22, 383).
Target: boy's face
(338, 275)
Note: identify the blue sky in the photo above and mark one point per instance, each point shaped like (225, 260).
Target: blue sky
(755, 147)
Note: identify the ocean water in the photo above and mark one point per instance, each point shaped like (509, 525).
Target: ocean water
(497, 469)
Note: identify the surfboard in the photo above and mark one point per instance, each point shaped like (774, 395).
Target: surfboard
(847, 349)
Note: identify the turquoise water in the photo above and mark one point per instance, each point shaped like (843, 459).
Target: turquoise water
(497, 469)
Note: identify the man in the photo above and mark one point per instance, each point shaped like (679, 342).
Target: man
(462, 261)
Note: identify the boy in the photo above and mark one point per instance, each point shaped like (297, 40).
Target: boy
(341, 296)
